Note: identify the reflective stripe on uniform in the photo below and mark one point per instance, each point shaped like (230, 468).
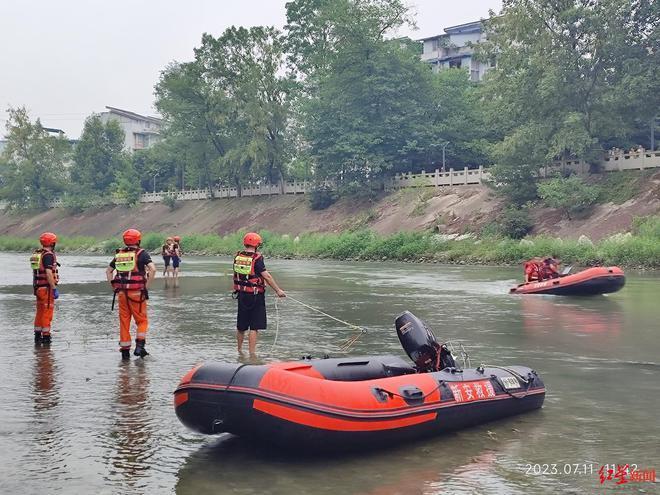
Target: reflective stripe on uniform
(125, 343)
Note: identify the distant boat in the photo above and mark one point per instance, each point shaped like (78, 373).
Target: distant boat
(589, 282)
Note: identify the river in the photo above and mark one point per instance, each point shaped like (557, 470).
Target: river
(76, 419)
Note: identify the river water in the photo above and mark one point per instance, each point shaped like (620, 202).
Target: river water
(75, 419)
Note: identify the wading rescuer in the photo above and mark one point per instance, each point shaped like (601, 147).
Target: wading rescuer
(45, 277)
(130, 272)
(250, 279)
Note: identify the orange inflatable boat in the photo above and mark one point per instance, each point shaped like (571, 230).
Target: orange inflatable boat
(349, 403)
(589, 282)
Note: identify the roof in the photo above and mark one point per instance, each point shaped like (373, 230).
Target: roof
(134, 116)
(468, 27)
(53, 130)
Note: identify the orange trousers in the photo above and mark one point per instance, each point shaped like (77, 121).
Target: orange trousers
(45, 310)
(132, 306)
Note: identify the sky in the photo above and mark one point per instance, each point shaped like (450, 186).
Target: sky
(66, 60)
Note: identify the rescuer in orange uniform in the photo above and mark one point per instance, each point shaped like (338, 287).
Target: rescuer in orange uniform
(45, 277)
(250, 279)
(130, 272)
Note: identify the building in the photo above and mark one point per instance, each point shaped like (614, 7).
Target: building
(140, 131)
(453, 50)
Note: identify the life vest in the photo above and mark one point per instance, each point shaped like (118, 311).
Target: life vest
(129, 276)
(169, 251)
(245, 279)
(39, 277)
(533, 270)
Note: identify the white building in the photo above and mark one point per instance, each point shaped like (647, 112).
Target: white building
(140, 131)
(451, 50)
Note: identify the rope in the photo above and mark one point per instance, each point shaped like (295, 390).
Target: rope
(350, 341)
(277, 326)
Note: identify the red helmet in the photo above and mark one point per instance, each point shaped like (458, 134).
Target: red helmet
(177, 238)
(132, 236)
(252, 239)
(47, 239)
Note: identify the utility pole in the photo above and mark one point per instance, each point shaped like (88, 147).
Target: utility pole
(443, 156)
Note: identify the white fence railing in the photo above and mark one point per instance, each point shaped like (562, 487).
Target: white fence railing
(623, 161)
(634, 160)
(437, 178)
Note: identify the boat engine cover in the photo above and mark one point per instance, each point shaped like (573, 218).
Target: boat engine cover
(417, 340)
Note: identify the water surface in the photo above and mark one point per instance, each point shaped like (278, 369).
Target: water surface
(75, 419)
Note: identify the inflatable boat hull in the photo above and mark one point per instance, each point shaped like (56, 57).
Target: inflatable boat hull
(345, 404)
(593, 281)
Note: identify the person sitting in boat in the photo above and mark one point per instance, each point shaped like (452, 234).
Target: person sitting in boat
(550, 267)
(533, 270)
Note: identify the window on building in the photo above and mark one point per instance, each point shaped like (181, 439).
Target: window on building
(455, 64)
(140, 141)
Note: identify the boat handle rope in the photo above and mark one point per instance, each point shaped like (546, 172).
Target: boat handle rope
(350, 341)
(508, 370)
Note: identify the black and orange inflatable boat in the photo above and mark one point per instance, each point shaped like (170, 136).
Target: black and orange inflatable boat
(349, 403)
(589, 282)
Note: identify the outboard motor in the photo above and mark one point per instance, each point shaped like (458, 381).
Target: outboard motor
(420, 344)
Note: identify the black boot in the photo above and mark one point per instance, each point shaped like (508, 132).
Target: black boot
(125, 353)
(139, 348)
(45, 339)
(37, 337)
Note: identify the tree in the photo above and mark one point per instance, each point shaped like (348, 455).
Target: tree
(373, 115)
(234, 101)
(571, 77)
(32, 162)
(99, 157)
(570, 194)
(459, 120)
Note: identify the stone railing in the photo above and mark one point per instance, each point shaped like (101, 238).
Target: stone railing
(295, 187)
(625, 161)
(637, 160)
(464, 177)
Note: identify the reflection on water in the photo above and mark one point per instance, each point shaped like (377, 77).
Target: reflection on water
(130, 437)
(75, 419)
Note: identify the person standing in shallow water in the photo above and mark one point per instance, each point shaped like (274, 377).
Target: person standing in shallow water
(129, 273)
(250, 279)
(44, 281)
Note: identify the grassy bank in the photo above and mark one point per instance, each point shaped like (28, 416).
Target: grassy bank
(638, 249)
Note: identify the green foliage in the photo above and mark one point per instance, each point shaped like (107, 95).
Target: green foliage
(642, 250)
(32, 164)
(126, 186)
(170, 202)
(99, 156)
(321, 198)
(618, 187)
(569, 194)
(571, 79)
(515, 223)
(647, 227)
(229, 107)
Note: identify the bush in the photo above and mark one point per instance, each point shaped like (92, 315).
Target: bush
(570, 194)
(648, 227)
(515, 223)
(322, 197)
(170, 202)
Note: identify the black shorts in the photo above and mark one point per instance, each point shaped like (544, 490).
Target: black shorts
(175, 261)
(166, 259)
(251, 312)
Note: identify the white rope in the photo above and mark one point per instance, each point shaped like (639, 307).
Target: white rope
(350, 341)
(351, 325)
(277, 326)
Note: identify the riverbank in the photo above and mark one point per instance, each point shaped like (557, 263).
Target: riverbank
(639, 249)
